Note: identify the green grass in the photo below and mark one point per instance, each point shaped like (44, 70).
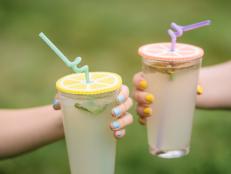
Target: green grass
(107, 35)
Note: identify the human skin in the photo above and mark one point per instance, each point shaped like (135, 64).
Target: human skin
(23, 130)
(215, 81)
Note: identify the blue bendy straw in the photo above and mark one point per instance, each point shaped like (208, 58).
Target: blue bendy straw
(72, 65)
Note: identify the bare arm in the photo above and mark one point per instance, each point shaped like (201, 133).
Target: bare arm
(22, 130)
(216, 81)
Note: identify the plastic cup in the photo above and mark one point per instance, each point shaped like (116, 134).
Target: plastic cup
(87, 109)
(172, 78)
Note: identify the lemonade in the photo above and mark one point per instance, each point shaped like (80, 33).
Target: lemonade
(87, 116)
(172, 77)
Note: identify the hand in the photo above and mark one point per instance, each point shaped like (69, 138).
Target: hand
(121, 117)
(145, 99)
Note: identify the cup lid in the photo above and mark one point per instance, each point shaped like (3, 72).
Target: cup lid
(162, 52)
(100, 82)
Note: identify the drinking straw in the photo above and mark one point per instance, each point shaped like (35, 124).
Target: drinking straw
(179, 30)
(72, 65)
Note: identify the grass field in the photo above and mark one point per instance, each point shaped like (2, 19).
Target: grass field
(107, 34)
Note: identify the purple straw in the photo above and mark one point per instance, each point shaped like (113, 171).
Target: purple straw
(179, 30)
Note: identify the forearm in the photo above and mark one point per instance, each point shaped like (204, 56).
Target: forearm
(216, 81)
(26, 129)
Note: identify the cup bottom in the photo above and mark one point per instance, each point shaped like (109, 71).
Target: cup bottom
(169, 153)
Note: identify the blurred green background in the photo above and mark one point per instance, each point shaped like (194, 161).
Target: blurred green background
(107, 34)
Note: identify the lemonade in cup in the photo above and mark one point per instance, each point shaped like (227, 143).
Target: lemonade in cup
(87, 99)
(173, 78)
(172, 70)
(87, 108)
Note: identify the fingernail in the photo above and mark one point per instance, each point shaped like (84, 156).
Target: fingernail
(143, 84)
(116, 111)
(119, 134)
(115, 125)
(199, 90)
(120, 98)
(149, 98)
(147, 111)
(56, 104)
(142, 121)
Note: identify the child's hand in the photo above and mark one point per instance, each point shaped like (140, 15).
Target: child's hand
(145, 99)
(121, 117)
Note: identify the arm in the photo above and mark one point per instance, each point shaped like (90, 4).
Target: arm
(26, 129)
(23, 130)
(216, 82)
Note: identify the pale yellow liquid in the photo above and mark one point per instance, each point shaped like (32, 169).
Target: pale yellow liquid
(90, 143)
(169, 128)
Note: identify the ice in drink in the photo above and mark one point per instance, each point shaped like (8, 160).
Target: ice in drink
(172, 77)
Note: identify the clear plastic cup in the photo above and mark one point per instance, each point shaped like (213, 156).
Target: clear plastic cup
(172, 78)
(87, 115)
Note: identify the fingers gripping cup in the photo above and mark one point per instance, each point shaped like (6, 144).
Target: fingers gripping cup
(172, 77)
(87, 116)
